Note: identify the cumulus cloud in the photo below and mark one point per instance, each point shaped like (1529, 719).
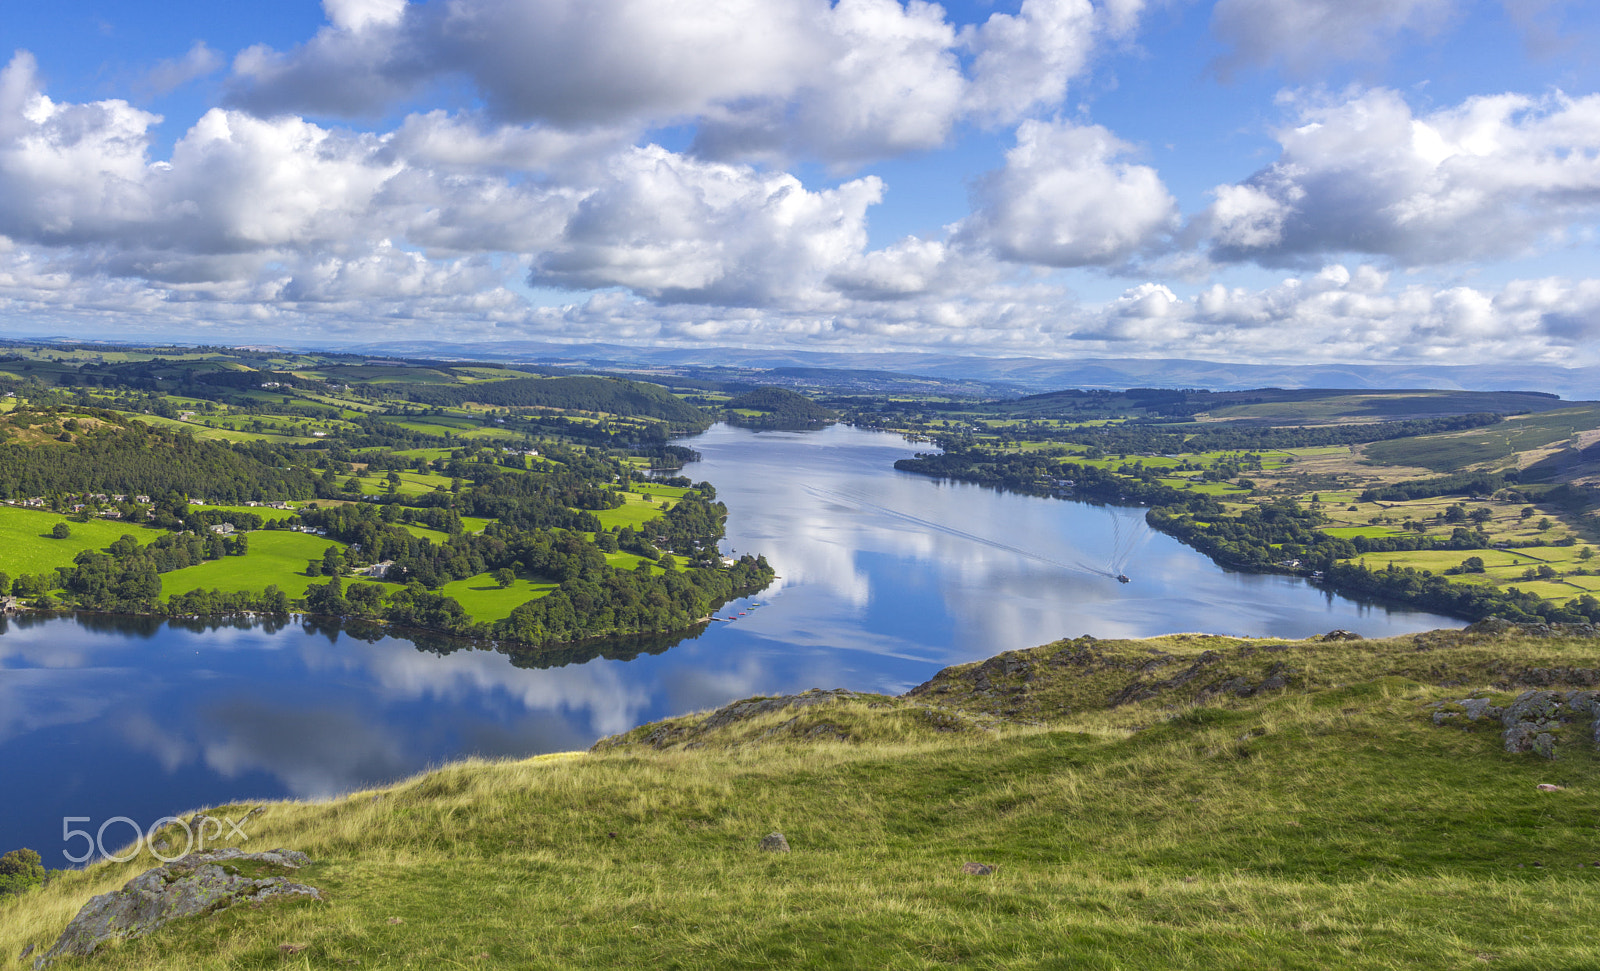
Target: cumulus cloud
(845, 81)
(1068, 196)
(1303, 36)
(1492, 177)
(1026, 60)
(887, 81)
(678, 229)
(244, 199)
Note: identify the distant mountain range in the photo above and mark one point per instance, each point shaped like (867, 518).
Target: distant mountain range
(1032, 374)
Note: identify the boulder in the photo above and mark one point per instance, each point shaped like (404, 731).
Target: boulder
(1531, 720)
(198, 884)
(1341, 635)
(774, 843)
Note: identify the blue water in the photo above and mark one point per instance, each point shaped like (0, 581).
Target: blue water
(885, 578)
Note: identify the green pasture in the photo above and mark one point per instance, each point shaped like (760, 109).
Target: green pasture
(494, 432)
(422, 453)
(629, 561)
(1351, 532)
(1555, 591)
(435, 424)
(635, 513)
(657, 490)
(474, 375)
(411, 483)
(1204, 488)
(199, 430)
(378, 374)
(485, 601)
(275, 557)
(423, 532)
(1558, 556)
(1440, 560)
(25, 546)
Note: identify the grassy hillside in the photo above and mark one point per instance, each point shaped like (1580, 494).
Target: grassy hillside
(1189, 801)
(25, 538)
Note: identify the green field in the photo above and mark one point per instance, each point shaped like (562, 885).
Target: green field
(1439, 560)
(635, 513)
(1204, 488)
(1350, 532)
(629, 561)
(436, 535)
(486, 602)
(657, 490)
(276, 557)
(25, 546)
(216, 434)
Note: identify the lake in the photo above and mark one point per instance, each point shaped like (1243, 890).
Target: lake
(884, 578)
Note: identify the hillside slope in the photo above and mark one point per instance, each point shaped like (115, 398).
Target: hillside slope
(1186, 801)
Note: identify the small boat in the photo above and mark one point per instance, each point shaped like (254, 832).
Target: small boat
(1123, 578)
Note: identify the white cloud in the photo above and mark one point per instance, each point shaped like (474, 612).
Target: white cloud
(199, 62)
(360, 14)
(1068, 197)
(887, 81)
(1026, 60)
(678, 229)
(67, 171)
(1496, 176)
(846, 82)
(1304, 36)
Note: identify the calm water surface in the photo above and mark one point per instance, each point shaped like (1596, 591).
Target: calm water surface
(885, 578)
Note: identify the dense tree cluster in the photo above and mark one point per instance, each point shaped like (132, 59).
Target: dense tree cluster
(778, 408)
(577, 393)
(137, 459)
(613, 601)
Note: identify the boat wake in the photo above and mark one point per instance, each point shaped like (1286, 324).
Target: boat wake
(1126, 539)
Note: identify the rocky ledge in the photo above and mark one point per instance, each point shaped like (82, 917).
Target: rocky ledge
(198, 884)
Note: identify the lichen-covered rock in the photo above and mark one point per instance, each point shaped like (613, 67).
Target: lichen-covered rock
(201, 883)
(1533, 706)
(1476, 708)
(1341, 635)
(1531, 720)
(1544, 744)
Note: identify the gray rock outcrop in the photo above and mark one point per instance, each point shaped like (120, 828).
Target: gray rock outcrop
(774, 843)
(198, 884)
(1536, 721)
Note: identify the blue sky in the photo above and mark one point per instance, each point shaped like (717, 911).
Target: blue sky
(1252, 180)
